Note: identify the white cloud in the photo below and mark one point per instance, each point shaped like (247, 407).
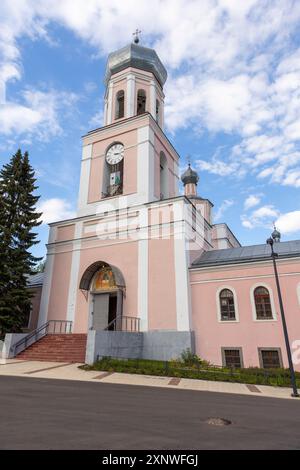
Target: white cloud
(289, 222)
(217, 167)
(265, 211)
(97, 120)
(266, 216)
(262, 217)
(243, 69)
(55, 209)
(251, 201)
(222, 209)
(38, 114)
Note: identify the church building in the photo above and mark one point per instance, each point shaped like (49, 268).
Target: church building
(142, 270)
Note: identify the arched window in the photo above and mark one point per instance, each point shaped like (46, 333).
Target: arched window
(163, 176)
(157, 111)
(262, 303)
(120, 104)
(227, 307)
(141, 102)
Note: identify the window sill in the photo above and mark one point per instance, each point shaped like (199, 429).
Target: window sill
(265, 320)
(104, 198)
(228, 321)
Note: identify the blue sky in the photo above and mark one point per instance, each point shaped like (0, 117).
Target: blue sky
(232, 97)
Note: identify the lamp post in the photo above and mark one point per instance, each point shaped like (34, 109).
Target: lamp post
(276, 238)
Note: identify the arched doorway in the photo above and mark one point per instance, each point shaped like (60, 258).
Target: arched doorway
(105, 285)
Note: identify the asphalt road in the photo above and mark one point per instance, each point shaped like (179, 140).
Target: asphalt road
(56, 414)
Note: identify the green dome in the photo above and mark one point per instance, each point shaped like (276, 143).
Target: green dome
(189, 176)
(138, 57)
(276, 235)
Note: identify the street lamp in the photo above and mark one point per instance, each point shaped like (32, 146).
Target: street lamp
(274, 239)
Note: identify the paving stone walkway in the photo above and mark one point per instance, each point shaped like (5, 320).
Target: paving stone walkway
(70, 371)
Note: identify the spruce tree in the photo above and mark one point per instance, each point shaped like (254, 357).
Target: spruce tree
(18, 217)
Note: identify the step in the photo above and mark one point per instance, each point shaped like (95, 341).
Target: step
(51, 346)
(71, 360)
(53, 354)
(57, 348)
(52, 358)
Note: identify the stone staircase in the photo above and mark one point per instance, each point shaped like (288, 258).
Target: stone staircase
(57, 348)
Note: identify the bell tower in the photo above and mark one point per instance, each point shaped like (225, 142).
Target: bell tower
(129, 161)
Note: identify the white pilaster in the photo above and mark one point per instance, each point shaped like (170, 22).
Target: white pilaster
(143, 266)
(183, 307)
(145, 164)
(84, 177)
(162, 113)
(73, 284)
(109, 104)
(130, 96)
(105, 111)
(176, 178)
(153, 99)
(44, 305)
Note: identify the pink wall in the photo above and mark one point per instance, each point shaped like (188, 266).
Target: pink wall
(60, 284)
(162, 290)
(211, 334)
(65, 232)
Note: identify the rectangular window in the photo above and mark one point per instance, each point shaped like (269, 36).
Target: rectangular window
(232, 357)
(270, 358)
(264, 311)
(227, 310)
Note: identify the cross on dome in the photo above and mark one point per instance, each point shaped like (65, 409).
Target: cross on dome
(136, 34)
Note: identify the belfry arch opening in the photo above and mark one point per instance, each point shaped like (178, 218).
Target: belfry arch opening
(141, 102)
(105, 286)
(157, 112)
(163, 164)
(120, 102)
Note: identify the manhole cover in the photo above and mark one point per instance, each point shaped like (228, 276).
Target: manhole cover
(218, 421)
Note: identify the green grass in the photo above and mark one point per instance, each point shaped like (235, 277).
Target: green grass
(195, 370)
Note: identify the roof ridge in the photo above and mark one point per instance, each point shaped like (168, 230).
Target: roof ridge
(286, 249)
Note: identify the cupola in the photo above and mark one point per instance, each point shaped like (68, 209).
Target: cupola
(190, 179)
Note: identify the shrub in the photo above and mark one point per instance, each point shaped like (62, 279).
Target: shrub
(190, 359)
(192, 367)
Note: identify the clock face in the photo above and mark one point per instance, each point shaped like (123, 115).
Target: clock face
(115, 154)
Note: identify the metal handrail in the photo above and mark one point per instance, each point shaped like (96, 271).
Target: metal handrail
(43, 330)
(124, 323)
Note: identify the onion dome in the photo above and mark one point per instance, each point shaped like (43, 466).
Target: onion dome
(189, 176)
(276, 235)
(138, 57)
